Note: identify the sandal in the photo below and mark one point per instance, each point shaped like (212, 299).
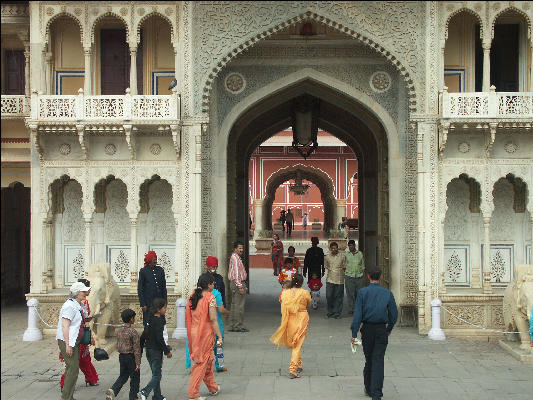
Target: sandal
(215, 392)
(294, 376)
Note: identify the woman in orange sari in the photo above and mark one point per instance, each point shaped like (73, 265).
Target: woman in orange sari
(202, 325)
(294, 323)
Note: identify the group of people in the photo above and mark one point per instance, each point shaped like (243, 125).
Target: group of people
(374, 308)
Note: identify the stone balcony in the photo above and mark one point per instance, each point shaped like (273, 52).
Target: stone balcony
(484, 112)
(14, 106)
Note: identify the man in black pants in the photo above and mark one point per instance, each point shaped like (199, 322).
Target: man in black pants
(376, 309)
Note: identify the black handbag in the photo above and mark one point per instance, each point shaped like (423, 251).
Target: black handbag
(100, 354)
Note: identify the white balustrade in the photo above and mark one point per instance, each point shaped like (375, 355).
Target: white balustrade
(14, 105)
(105, 108)
(487, 105)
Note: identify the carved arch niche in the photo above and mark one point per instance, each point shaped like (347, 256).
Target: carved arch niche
(65, 242)
(510, 228)
(462, 230)
(156, 227)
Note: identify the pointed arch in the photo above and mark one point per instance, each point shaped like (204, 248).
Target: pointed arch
(150, 15)
(62, 15)
(468, 11)
(110, 14)
(524, 15)
(310, 16)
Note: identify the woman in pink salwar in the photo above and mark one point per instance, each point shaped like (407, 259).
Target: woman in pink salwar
(277, 255)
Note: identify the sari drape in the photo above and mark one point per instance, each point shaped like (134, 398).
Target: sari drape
(277, 256)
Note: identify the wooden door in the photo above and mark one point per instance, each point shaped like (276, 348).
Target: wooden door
(14, 72)
(115, 61)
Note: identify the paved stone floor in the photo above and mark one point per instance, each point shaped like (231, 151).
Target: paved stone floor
(415, 367)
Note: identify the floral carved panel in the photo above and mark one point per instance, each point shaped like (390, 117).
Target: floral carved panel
(116, 218)
(160, 219)
(457, 225)
(73, 224)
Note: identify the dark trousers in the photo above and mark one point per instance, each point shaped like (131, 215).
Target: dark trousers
(375, 340)
(352, 286)
(127, 371)
(289, 228)
(334, 297)
(155, 359)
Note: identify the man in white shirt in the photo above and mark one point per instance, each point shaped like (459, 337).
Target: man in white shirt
(68, 338)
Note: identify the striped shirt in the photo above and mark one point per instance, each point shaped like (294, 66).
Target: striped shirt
(236, 271)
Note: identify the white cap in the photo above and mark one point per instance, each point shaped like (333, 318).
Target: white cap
(79, 287)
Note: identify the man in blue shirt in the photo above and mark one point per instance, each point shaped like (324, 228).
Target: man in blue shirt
(376, 309)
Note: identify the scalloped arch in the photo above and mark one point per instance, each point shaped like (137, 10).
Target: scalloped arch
(468, 11)
(309, 16)
(516, 10)
(58, 16)
(291, 169)
(110, 14)
(503, 175)
(150, 15)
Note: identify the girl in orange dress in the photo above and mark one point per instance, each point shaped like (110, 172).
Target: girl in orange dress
(294, 323)
(202, 325)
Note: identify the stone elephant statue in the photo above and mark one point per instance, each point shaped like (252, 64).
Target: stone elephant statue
(517, 303)
(104, 298)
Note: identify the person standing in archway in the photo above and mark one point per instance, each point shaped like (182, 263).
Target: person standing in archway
(314, 259)
(277, 254)
(282, 219)
(237, 283)
(290, 221)
(304, 221)
(355, 269)
(335, 263)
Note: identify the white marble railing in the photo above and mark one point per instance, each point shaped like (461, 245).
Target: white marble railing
(105, 108)
(487, 104)
(14, 105)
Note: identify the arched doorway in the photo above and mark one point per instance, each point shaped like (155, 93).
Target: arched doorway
(342, 116)
(315, 175)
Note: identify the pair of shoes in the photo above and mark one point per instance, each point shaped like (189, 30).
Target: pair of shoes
(215, 392)
(141, 395)
(222, 369)
(294, 376)
(91, 383)
(109, 394)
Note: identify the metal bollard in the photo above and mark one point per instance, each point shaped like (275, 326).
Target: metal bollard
(181, 331)
(436, 333)
(32, 333)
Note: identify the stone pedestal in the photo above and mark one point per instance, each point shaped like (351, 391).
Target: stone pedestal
(32, 333)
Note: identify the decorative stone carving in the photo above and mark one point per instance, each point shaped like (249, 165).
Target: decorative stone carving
(473, 314)
(73, 227)
(380, 81)
(104, 298)
(50, 11)
(123, 11)
(78, 11)
(168, 11)
(155, 149)
(78, 267)
(457, 221)
(64, 149)
(110, 149)
(235, 83)
(517, 304)
(503, 217)
(116, 219)
(121, 267)
(160, 220)
(463, 147)
(510, 147)
(141, 11)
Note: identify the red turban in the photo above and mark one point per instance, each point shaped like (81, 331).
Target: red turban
(148, 257)
(211, 262)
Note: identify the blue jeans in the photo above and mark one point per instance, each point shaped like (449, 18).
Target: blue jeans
(155, 359)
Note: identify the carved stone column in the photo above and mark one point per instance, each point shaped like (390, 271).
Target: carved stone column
(486, 67)
(49, 72)
(487, 287)
(258, 216)
(87, 250)
(531, 67)
(27, 83)
(177, 254)
(133, 256)
(341, 210)
(133, 70)
(442, 65)
(87, 51)
(47, 255)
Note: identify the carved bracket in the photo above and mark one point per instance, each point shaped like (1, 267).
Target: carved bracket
(176, 138)
(130, 139)
(491, 137)
(81, 139)
(35, 139)
(443, 136)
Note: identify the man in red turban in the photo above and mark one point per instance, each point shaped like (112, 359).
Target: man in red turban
(151, 284)
(212, 264)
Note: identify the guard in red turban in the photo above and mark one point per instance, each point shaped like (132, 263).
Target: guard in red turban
(212, 264)
(148, 257)
(151, 284)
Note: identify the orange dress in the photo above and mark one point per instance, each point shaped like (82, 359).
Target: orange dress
(294, 323)
(201, 341)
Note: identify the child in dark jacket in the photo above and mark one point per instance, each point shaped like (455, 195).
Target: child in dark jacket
(152, 339)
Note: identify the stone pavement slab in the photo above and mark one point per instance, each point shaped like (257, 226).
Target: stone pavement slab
(415, 367)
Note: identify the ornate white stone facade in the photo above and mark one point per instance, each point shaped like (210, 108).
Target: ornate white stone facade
(160, 171)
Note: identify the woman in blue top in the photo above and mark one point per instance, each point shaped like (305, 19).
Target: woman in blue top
(220, 310)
